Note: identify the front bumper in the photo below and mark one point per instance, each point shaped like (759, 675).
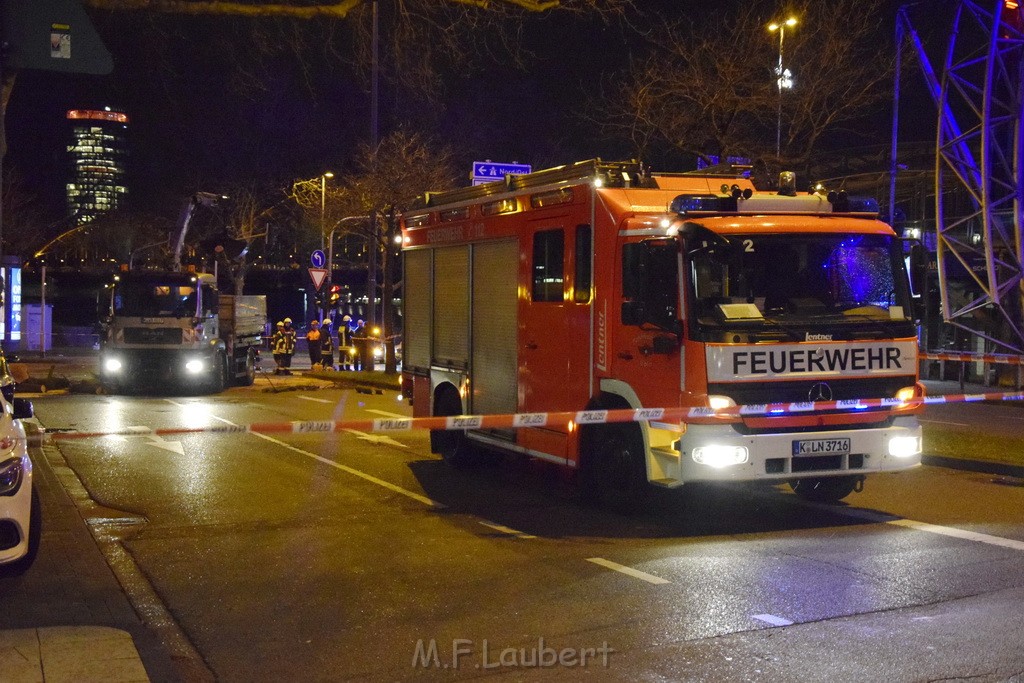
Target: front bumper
(769, 456)
(155, 367)
(16, 506)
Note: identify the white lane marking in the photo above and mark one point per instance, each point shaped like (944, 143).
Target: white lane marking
(344, 468)
(385, 413)
(506, 530)
(318, 400)
(943, 422)
(160, 442)
(629, 571)
(376, 438)
(959, 533)
(953, 532)
(773, 620)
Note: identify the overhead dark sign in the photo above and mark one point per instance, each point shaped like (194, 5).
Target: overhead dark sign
(52, 35)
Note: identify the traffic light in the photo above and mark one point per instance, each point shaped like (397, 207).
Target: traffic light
(335, 295)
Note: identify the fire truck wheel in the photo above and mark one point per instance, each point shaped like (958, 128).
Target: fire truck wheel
(614, 474)
(456, 450)
(825, 489)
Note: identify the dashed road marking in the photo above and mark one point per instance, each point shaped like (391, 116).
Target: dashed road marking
(959, 533)
(508, 531)
(385, 413)
(943, 422)
(629, 571)
(318, 400)
(773, 620)
(952, 532)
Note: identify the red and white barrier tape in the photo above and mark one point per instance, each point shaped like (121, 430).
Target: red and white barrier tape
(994, 358)
(515, 421)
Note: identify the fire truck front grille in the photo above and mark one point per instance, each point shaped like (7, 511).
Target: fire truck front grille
(817, 463)
(151, 335)
(757, 393)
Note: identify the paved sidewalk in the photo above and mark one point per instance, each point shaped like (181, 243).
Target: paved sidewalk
(69, 654)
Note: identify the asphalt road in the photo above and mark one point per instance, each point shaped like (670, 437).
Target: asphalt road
(358, 556)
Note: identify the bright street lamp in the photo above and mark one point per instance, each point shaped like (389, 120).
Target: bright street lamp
(784, 76)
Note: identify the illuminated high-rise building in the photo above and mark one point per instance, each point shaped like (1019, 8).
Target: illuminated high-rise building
(98, 154)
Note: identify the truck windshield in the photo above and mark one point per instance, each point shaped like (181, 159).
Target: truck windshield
(153, 299)
(831, 279)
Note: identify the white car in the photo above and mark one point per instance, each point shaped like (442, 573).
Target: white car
(20, 522)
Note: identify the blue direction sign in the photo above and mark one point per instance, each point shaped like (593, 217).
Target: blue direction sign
(489, 171)
(318, 259)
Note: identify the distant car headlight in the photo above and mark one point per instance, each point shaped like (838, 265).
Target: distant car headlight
(11, 474)
(195, 366)
(112, 365)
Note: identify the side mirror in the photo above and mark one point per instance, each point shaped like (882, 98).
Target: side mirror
(918, 267)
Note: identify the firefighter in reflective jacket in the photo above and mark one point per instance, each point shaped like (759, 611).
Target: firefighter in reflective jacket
(290, 337)
(326, 345)
(279, 347)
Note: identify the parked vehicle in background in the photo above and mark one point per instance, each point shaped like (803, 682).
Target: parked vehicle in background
(20, 516)
(599, 286)
(171, 330)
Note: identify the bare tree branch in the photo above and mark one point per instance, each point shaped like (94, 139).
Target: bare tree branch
(709, 87)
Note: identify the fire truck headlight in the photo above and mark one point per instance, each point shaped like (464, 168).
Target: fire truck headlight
(720, 456)
(112, 365)
(195, 366)
(904, 446)
(720, 402)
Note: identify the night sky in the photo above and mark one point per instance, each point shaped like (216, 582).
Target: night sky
(198, 122)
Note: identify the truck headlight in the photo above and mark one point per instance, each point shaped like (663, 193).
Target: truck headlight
(195, 366)
(904, 446)
(719, 456)
(112, 365)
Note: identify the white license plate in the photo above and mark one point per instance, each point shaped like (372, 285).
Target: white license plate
(821, 447)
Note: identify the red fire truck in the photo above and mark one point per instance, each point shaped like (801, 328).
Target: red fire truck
(599, 286)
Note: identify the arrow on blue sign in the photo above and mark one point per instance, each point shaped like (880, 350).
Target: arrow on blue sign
(488, 169)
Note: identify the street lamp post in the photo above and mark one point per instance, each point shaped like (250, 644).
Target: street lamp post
(785, 78)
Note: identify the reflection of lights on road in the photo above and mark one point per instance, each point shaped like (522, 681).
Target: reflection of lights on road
(194, 415)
